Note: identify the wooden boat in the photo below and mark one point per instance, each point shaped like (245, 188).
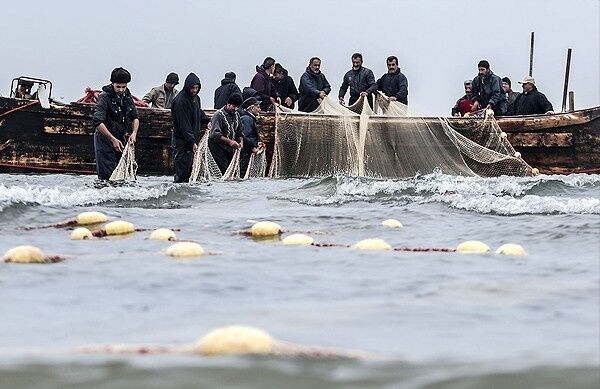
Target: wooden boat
(59, 139)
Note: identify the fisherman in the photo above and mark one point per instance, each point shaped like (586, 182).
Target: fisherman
(226, 132)
(248, 92)
(511, 96)
(285, 87)
(262, 83)
(250, 110)
(465, 104)
(162, 96)
(23, 90)
(188, 120)
(532, 101)
(360, 80)
(314, 86)
(115, 116)
(487, 90)
(227, 88)
(394, 84)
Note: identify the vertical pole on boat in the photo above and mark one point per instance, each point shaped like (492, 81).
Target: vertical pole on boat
(566, 88)
(531, 54)
(571, 101)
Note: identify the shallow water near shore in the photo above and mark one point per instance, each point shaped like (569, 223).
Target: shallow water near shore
(433, 319)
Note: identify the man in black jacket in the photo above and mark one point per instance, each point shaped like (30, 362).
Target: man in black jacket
(511, 96)
(394, 84)
(360, 80)
(313, 86)
(285, 87)
(227, 88)
(188, 118)
(263, 84)
(226, 133)
(114, 117)
(249, 111)
(532, 101)
(487, 90)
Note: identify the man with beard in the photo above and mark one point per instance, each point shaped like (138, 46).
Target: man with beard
(313, 86)
(394, 84)
(115, 116)
(188, 118)
(360, 80)
(227, 88)
(511, 96)
(487, 90)
(249, 111)
(226, 133)
(285, 87)
(263, 84)
(464, 105)
(162, 96)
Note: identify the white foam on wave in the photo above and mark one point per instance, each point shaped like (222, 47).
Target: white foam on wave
(68, 197)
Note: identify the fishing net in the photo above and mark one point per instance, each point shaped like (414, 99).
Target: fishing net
(204, 166)
(356, 141)
(257, 165)
(127, 167)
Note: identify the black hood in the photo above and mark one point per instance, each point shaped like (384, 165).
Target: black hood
(309, 71)
(226, 81)
(190, 81)
(250, 92)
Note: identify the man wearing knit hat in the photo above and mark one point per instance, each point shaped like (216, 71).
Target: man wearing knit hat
(511, 95)
(226, 132)
(115, 117)
(162, 96)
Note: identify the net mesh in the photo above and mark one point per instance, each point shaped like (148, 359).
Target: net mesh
(127, 167)
(357, 141)
(257, 164)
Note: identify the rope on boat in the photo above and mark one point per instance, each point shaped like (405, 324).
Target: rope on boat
(19, 108)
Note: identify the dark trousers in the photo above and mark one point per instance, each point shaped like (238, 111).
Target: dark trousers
(353, 99)
(107, 157)
(182, 163)
(222, 154)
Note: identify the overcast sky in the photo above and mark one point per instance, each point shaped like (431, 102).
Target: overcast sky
(77, 43)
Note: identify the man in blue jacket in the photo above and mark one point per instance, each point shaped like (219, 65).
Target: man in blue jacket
(360, 80)
(249, 111)
(115, 116)
(313, 86)
(487, 90)
(394, 84)
(188, 119)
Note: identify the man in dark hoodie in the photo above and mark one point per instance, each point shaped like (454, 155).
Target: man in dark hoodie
(227, 88)
(188, 119)
(262, 83)
(226, 132)
(250, 110)
(487, 90)
(115, 117)
(360, 80)
(313, 86)
(394, 84)
(285, 87)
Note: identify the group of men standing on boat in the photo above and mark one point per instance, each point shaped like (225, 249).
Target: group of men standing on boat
(487, 90)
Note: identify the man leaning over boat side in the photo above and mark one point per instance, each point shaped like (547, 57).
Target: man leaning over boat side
(487, 90)
(511, 95)
(314, 86)
(188, 119)
(394, 84)
(532, 101)
(226, 132)
(464, 105)
(114, 117)
(162, 96)
(249, 111)
(360, 80)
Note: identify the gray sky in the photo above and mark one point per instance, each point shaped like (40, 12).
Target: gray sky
(77, 43)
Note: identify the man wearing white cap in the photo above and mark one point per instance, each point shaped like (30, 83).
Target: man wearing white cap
(532, 101)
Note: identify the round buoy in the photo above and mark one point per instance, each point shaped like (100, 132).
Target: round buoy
(185, 249)
(235, 340)
(163, 234)
(517, 154)
(81, 233)
(503, 135)
(489, 112)
(472, 246)
(535, 171)
(372, 244)
(265, 228)
(298, 239)
(392, 223)
(93, 217)
(512, 249)
(119, 227)
(24, 254)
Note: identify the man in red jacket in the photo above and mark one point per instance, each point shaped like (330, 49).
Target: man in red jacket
(464, 104)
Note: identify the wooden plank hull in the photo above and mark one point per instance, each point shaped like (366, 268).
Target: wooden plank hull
(60, 139)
